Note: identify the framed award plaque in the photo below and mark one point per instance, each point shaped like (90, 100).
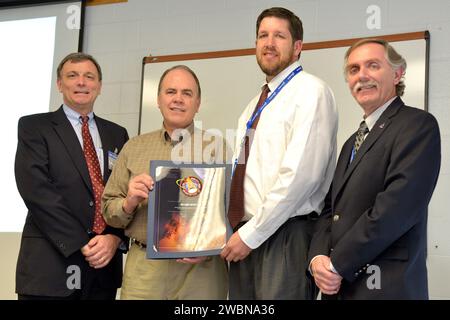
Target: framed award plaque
(187, 210)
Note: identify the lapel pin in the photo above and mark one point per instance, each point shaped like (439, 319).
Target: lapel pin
(381, 126)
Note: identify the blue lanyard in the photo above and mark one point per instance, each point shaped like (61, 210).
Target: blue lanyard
(266, 102)
(352, 156)
(272, 96)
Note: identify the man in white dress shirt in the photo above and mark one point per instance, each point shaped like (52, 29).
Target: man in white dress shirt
(288, 171)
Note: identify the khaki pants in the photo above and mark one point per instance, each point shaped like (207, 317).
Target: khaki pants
(168, 279)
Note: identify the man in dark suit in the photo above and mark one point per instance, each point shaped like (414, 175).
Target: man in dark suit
(62, 254)
(371, 239)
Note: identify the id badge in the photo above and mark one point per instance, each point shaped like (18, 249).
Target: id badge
(112, 157)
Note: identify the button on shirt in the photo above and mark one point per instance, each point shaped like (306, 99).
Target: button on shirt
(134, 159)
(293, 155)
(75, 121)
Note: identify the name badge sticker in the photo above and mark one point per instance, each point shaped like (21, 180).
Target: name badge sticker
(112, 157)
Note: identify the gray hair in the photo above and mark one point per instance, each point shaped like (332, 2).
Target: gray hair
(395, 60)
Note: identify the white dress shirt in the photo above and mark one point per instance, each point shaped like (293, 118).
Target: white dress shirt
(292, 156)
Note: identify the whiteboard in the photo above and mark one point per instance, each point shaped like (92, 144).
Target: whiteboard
(228, 83)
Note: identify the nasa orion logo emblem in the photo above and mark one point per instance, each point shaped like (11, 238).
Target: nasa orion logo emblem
(190, 186)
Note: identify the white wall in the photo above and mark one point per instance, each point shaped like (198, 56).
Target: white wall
(120, 35)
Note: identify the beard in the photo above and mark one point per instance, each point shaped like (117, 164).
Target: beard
(275, 67)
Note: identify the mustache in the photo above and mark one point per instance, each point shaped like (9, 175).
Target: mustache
(359, 85)
(270, 49)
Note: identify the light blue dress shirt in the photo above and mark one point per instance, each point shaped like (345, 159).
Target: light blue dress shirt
(75, 121)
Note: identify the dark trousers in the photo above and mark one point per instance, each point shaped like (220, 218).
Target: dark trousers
(277, 269)
(91, 292)
(100, 294)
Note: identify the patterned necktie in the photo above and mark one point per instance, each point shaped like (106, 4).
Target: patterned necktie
(236, 207)
(362, 131)
(95, 174)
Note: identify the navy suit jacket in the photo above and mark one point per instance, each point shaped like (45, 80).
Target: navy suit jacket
(53, 180)
(374, 223)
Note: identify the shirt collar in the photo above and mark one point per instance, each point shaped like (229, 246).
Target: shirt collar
(74, 117)
(275, 82)
(177, 135)
(374, 116)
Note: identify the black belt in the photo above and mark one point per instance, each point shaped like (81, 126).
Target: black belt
(300, 217)
(139, 244)
(311, 216)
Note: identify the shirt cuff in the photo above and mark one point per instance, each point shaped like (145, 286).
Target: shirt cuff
(250, 236)
(332, 268)
(116, 217)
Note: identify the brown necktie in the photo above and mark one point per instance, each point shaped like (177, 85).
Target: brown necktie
(236, 207)
(95, 174)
